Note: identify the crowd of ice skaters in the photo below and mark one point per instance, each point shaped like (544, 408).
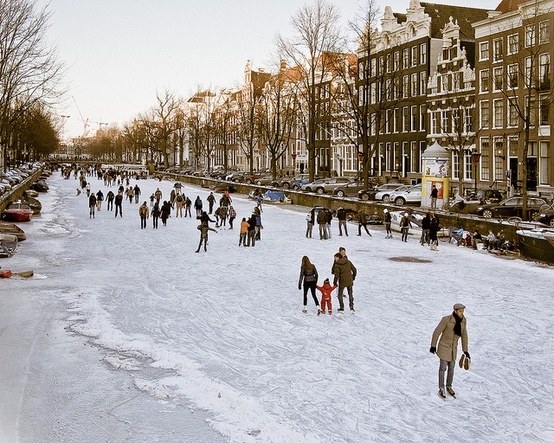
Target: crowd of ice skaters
(444, 341)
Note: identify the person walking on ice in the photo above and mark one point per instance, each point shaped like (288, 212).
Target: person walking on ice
(326, 290)
(204, 229)
(144, 213)
(450, 329)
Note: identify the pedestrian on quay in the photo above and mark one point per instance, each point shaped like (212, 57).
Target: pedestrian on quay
(204, 229)
(91, 204)
(144, 213)
(448, 332)
(326, 303)
(425, 229)
(362, 221)
(308, 276)
(119, 204)
(344, 273)
(387, 220)
(434, 227)
(405, 226)
(341, 216)
(156, 212)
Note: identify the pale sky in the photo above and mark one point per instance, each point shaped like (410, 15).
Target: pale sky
(119, 53)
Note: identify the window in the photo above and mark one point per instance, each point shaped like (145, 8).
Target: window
(484, 51)
(405, 86)
(413, 120)
(422, 83)
(484, 114)
(388, 89)
(513, 76)
(414, 84)
(485, 159)
(396, 61)
(434, 123)
(544, 177)
(405, 58)
(423, 54)
(405, 119)
(439, 83)
(456, 163)
(513, 44)
(498, 49)
(414, 56)
(498, 113)
(468, 122)
(445, 126)
(544, 71)
(544, 108)
(422, 115)
(512, 112)
(388, 121)
(530, 110)
(498, 79)
(499, 159)
(528, 71)
(544, 32)
(468, 166)
(529, 36)
(374, 66)
(484, 80)
(388, 62)
(373, 93)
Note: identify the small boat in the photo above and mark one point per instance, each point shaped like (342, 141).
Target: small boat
(17, 211)
(34, 204)
(8, 245)
(270, 196)
(31, 193)
(537, 244)
(13, 229)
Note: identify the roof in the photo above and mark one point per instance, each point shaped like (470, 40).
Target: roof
(509, 5)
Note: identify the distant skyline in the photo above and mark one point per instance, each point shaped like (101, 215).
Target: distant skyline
(120, 53)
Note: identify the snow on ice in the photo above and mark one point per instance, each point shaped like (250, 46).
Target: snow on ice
(129, 335)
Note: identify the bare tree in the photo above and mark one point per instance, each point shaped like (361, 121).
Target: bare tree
(316, 32)
(29, 70)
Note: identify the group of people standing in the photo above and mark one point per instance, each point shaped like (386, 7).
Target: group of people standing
(344, 273)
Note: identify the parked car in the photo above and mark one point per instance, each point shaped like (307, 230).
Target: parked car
(349, 189)
(251, 178)
(380, 193)
(546, 215)
(288, 182)
(297, 185)
(511, 207)
(266, 180)
(406, 194)
(325, 185)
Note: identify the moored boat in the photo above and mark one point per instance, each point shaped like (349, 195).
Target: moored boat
(8, 245)
(18, 212)
(13, 229)
(536, 244)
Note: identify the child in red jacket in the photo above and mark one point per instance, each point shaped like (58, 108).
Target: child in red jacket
(326, 290)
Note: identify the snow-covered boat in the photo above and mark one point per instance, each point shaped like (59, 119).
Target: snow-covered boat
(270, 196)
(537, 244)
(18, 212)
(8, 245)
(13, 229)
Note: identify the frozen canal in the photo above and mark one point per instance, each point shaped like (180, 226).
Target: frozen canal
(128, 335)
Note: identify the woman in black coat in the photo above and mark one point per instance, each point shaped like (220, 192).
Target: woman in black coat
(166, 210)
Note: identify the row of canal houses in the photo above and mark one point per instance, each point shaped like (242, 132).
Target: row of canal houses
(475, 81)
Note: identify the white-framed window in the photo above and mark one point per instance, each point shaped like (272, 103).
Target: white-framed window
(405, 86)
(423, 53)
(484, 83)
(456, 164)
(445, 122)
(388, 121)
(513, 79)
(413, 118)
(484, 115)
(544, 109)
(498, 113)
(422, 118)
(374, 66)
(468, 119)
(498, 49)
(528, 72)
(544, 71)
(388, 89)
(414, 84)
(435, 122)
(530, 109)
(544, 156)
(422, 83)
(544, 32)
(414, 56)
(498, 78)
(530, 37)
(513, 116)
(499, 158)
(396, 61)
(513, 44)
(405, 58)
(483, 51)
(485, 159)
(468, 165)
(405, 119)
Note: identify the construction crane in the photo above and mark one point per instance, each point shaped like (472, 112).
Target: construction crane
(86, 126)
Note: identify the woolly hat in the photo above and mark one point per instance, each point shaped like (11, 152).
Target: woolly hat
(458, 306)
(326, 281)
(385, 210)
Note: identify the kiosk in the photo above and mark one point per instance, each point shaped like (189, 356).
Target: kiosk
(436, 167)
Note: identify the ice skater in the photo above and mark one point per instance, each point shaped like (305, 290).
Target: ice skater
(204, 229)
(326, 290)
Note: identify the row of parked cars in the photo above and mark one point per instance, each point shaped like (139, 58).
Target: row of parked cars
(11, 177)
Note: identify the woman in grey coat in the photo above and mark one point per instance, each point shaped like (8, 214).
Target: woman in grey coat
(450, 329)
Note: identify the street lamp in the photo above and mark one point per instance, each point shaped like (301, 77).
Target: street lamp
(475, 156)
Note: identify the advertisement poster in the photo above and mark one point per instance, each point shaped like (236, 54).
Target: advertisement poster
(436, 168)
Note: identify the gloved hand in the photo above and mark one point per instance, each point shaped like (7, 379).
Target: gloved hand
(432, 349)
(467, 354)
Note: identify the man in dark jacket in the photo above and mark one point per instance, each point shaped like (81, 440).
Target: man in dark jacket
(341, 215)
(425, 227)
(362, 221)
(251, 230)
(345, 274)
(118, 204)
